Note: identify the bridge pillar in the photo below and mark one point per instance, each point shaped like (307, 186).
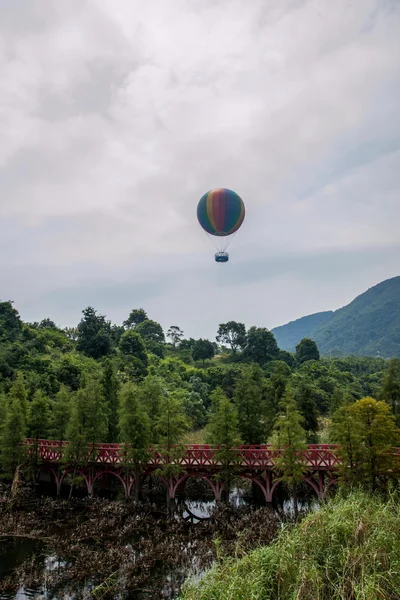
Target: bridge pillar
(89, 478)
(218, 488)
(58, 484)
(269, 490)
(321, 485)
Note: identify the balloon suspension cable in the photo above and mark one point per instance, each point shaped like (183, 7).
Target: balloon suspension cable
(231, 239)
(220, 267)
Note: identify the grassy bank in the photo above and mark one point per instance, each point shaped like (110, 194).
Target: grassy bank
(348, 550)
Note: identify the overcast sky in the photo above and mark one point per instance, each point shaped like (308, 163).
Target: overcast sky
(117, 115)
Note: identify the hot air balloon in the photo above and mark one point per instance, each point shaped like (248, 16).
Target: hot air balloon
(221, 212)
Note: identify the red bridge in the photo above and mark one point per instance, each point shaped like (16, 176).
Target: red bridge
(254, 463)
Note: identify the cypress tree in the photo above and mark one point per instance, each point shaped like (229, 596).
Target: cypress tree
(289, 436)
(110, 387)
(60, 414)
(250, 401)
(223, 431)
(366, 431)
(171, 424)
(13, 435)
(135, 431)
(38, 424)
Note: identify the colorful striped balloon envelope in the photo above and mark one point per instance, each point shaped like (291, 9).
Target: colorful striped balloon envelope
(220, 212)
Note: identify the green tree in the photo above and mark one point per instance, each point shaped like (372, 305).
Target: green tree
(224, 376)
(94, 337)
(223, 431)
(60, 414)
(172, 423)
(195, 409)
(38, 423)
(287, 357)
(38, 416)
(305, 395)
(340, 397)
(14, 432)
(275, 390)
(233, 334)
(151, 331)
(306, 350)
(203, 350)
(94, 410)
(116, 332)
(175, 334)
(346, 430)
(110, 387)
(134, 354)
(88, 424)
(197, 385)
(289, 437)
(391, 387)
(261, 346)
(10, 322)
(132, 343)
(135, 431)
(3, 412)
(367, 433)
(152, 391)
(136, 316)
(153, 336)
(77, 452)
(187, 345)
(19, 392)
(250, 401)
(47, 324)
(70, 370)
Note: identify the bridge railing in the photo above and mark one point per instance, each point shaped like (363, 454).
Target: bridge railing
(196, 456)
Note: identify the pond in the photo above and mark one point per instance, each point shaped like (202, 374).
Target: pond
(106, 549)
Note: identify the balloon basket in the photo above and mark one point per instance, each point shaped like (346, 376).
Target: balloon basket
(221, 257)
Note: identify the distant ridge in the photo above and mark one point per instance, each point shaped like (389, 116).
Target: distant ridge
(368, 326)
(289, 335)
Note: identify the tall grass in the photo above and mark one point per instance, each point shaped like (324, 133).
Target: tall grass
(348, 550)
(195, 437)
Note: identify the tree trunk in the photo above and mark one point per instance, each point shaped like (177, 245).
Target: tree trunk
(72, 485)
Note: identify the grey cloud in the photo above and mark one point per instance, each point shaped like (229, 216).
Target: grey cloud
(116, 117)
(264, 291)
(91, 95)
(20, 17)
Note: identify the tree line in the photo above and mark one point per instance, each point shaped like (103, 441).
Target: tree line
(100, 382)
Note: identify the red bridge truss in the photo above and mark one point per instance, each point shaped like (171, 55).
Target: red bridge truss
(255, 463)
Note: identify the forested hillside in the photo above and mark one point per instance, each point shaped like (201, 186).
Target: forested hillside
(368, 326)
(105, 382)
(289, 335)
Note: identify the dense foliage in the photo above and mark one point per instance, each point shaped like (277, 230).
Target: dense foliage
(100, 382)
(368, 326)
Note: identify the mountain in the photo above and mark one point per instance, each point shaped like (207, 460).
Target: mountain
(289, 335)
(368, 326)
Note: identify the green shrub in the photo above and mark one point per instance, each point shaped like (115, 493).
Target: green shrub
(348, 550)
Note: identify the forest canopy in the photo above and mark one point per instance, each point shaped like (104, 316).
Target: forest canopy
(108, 382)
